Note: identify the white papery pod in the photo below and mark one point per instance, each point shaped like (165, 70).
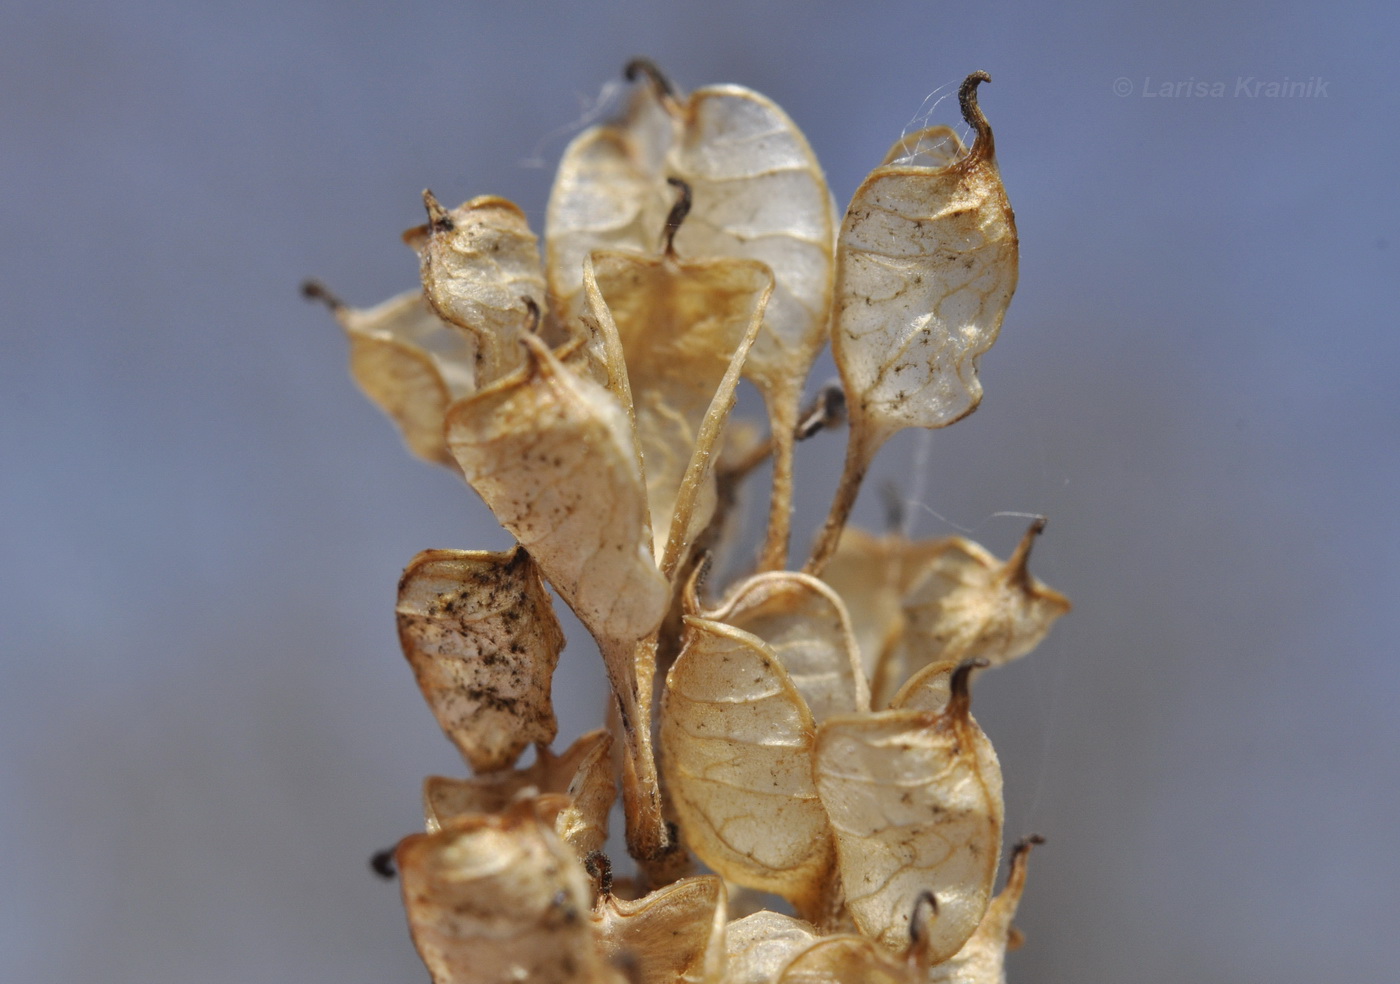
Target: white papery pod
(926, 266)
(805, 623)
(583, 773)
(480, 633)
(481, 271)
(982, 960)
(757, 947)
(915, 802)
(498, 899)
(409, 362)
(673, 935)
(738, 742)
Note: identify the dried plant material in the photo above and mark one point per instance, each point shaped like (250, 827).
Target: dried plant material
(583, 773)
(926, 266)
(610, 192)
(685, 329)
(757, 947)
(409, 362)
(915, 802)
(927, 690)
(967, 604)
(738, 741)
(481, 272)
(982, 960)
(691, 243)
(806, 625)
(675, 934)
(759, 194)
(552, 455)
(848, 960)
(500, 898)
(480, 633)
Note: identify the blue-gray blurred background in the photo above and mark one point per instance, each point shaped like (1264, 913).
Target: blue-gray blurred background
(207, 726)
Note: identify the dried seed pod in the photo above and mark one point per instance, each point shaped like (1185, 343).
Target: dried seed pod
(583, 773)
(553, 456)
(873, 574)
(738, 741)
(685, 329)
(848, 960)
(499, 898)
(410, 363)
(758, 946)
(926, 263)
(966, 604)
(480, 633)
(982, 960)
(805, 623)
(674, 934)
(481, 271)
(759, 194)
(915, 801)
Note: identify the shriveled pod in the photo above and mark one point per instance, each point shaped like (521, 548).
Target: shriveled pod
(481, 271)
(675, 934)
(757, 947)
(480, 633)
(759, 195)
(915, 801)
(685, 329)
(926, 266)
(982, 960)
(409, 362)
(738, 741)
(583, 774)
(967, 604)
(500, 898)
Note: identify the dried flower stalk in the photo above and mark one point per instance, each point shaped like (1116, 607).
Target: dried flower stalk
(815, 732)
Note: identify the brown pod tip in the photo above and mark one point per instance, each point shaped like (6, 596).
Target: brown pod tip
(982, 147)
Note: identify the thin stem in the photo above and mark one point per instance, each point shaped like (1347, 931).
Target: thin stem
(861, 446)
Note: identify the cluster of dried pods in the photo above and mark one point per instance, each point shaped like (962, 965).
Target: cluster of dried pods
(814, 736)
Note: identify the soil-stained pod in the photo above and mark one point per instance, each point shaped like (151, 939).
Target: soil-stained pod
(915, 801)
(493, 899)
(806, 625)
(926, 263)
(481, 271)
(982, 960)
(480, 633)
(738, 741)
(409, 362)
(583, 774)
(671, 936)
